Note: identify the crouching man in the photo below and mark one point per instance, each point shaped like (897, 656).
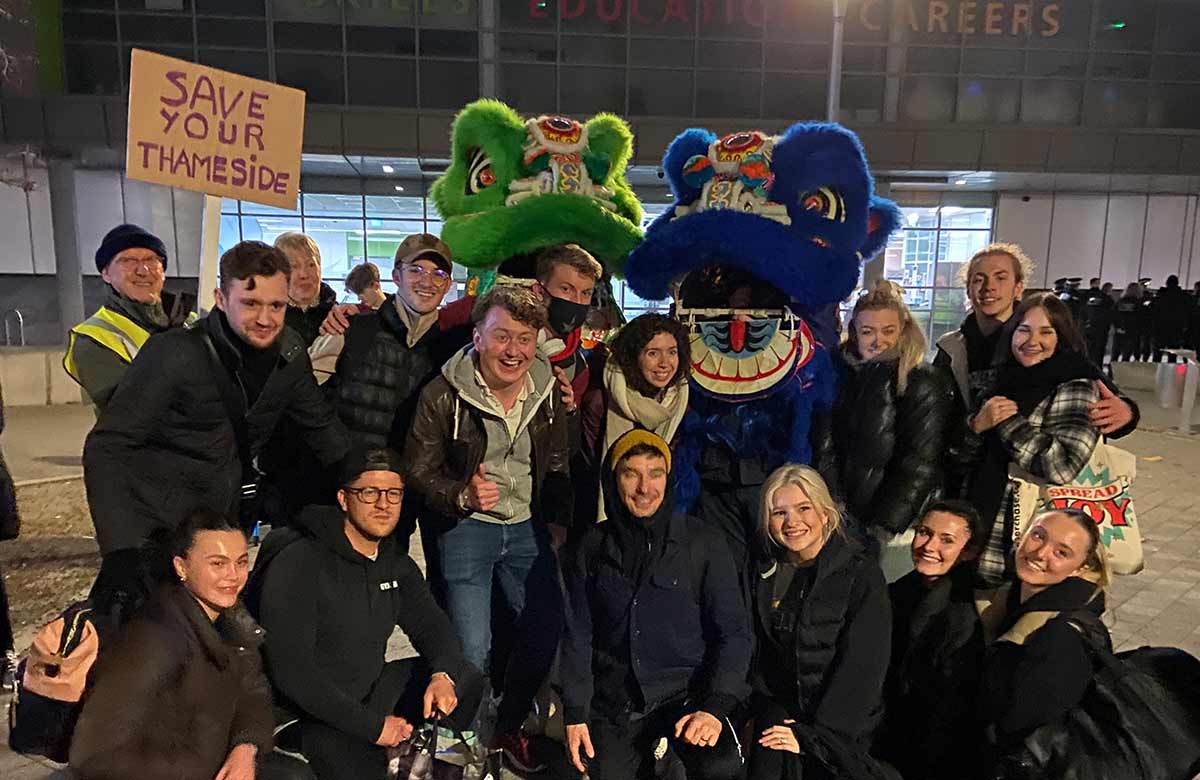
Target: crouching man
(329, 593)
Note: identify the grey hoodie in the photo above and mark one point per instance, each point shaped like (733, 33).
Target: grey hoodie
(508, 460)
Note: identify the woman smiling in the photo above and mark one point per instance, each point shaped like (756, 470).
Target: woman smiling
(1036, 418)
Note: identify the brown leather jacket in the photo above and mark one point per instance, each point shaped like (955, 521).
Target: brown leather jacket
(447, 442)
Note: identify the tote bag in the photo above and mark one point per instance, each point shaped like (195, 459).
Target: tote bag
(1101, 489)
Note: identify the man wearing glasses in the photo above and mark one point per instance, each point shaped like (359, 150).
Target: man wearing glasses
(329, 592)
(133, 264)
(391, 353)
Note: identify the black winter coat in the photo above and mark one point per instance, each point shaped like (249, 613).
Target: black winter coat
(173, 695)
(678, 636)
(329, 612)
(447, 441)
(165, 444)
(843, 637)
(929, 731)
(378, 377)
(1172, 310)
(307, 322)
(889, 447)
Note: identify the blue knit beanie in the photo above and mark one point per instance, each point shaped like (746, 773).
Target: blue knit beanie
(124, 237)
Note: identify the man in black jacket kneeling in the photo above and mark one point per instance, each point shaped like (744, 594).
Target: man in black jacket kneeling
(658, 642)
(329, 593)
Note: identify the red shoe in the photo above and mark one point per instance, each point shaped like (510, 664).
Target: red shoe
(519, 751)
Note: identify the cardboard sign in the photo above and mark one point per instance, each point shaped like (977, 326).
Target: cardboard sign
(216, 132)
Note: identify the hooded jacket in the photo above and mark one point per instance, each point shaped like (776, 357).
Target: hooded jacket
(165, 443)
(636, 642)
(889, 446)
(455, 429)
(173, 695)
(329, 610)
(97, 360)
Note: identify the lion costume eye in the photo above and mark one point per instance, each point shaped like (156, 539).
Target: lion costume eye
(825, 202)
(480, 175)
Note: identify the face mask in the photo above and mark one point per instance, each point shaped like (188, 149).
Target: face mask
(565, 316)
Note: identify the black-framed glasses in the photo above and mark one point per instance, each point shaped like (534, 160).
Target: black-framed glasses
(370, 495)
(436, 275)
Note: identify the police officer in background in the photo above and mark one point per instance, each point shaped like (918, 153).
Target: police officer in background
(1127, 343)
(1146, 321)
(1098, 314)
(1067, 290)
(133, 263)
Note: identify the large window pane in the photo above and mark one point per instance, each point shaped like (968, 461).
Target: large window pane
(988, 100)
(957, 217)
(1175, 105)
(528, 88)
(340, 241)
(446, 84)
(661, 51)
(450, 43)
(660, 92)
(587, 90)
(302, 36)
(379, 81)
(929, 98)
(728, 94)
(316, 204)
(795, 97)
(231, 32)
(247, 63)
(319, 75)
(1115, 104)
(1126, 24)
(381, 40)
(397, 207)
(524, 47)
(784, 56)
(1051, 102)
(92, 69)
(949, 310)
(267, 228)
(230, 233)
(1063, 64)
(593, 49)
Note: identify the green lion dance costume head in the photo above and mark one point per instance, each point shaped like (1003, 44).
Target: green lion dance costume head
(516, 186)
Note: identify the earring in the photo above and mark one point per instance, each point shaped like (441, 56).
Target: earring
(183, 578)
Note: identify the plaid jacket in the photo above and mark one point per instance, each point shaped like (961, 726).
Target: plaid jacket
(1054, 443)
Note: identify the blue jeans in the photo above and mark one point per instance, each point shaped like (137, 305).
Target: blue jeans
(517, 557)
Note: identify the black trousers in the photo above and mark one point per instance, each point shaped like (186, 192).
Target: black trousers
(276, 766)
(335, 755)
(626, 751)
(767, 764)
(6, 629)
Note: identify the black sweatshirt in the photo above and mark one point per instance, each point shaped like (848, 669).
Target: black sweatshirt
(328, 612)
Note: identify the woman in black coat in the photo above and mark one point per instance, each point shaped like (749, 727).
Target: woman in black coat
(890, 421)
(822, 623)
(1039, 628)
(180, 693)
(937, 649)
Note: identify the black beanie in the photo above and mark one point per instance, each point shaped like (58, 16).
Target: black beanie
(124, 237)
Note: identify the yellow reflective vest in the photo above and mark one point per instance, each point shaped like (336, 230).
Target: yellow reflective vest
(109, 329)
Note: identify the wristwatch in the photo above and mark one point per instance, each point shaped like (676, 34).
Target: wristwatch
(461, 501)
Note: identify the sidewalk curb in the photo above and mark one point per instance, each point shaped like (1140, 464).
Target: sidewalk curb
(20, 483)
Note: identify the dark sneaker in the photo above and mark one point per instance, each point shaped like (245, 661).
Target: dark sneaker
(519, 751)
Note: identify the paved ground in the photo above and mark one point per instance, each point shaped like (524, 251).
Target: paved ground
(1159, 606)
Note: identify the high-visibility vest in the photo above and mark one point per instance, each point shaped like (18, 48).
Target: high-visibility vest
(108, 329)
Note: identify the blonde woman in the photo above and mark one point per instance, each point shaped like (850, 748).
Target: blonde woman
(890, 421)
(823, 626)
(309, 299)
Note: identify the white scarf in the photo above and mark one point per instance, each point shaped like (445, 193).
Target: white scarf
(417, 325)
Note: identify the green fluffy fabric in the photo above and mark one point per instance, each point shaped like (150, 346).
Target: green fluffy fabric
(482, 232)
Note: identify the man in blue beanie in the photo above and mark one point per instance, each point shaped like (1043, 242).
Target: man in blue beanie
(133, 262)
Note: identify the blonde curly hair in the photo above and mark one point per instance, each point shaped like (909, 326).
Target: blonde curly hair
(885, 294)
(1023, 265)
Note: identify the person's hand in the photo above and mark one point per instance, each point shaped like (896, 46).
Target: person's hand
(780, 738)
(338, 319)
(439, 695)
(395, 731)
(239, 764)
(564, 387)
(698, 728)
(578, 737)
(482, 493)
(994, 411)
(558, 535)
(1110, 413)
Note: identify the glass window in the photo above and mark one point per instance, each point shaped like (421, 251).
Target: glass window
(72, 5)
(231, 7)
(861, 99)
(92, 69)
(89, 27)
(340, 241)
(304, 36)
(1062, 64)
(720, 20)
(808, 20)
(229, 234)
(600, 50)
(790, 96)
(382, 81)
(993, 62)
(449, 43)
(928, 98)
(865, 59)
(143, 28)
(319, 75)
(1051, 102)
(231, 32)
(1061, 25)
(411, 207)
(382, 40)
(527, 48)
(988, 100)
(1115, 104)
(735, 55)
(447, 84)
(728, 94)
(587, 90)
(813, 56)
(949, 311)
(922, 59)
(267, 228)
(247, 63)
(528, 88)
(1177, 28)
(661, 51)
(383, 238)
(317, 204)
(534, 15)
(1126, 24)
(660, 92)
(1175, 67)
(1175, 105)
(1121, 66)
(597, 16)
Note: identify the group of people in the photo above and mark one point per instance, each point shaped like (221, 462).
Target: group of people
(767, 645)
(1141, 322)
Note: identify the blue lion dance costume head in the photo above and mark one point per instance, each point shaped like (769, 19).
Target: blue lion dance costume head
(765, 237)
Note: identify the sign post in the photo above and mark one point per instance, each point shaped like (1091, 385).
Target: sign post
(208, 130)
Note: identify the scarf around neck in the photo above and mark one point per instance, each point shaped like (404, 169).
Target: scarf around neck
(417, 325)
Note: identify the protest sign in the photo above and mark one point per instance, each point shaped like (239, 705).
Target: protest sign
(216, 132)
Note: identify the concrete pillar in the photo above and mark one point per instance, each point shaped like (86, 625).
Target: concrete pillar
(66, 243)
(487, 48)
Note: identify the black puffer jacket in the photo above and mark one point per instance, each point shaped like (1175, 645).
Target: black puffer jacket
(889, 447)
(375, 386)
(842, 633)
(165, 444)
(307, 322)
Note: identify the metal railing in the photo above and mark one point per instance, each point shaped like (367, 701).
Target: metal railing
(8, 328)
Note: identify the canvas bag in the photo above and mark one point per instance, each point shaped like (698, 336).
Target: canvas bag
(1101, 489)
(51, 682)
(418, 758)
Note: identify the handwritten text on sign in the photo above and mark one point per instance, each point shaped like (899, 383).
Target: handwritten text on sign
(204, 129)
